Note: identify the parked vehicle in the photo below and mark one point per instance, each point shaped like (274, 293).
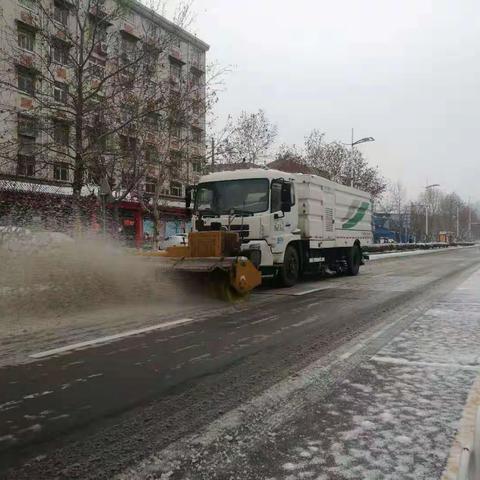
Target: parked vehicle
(178, 239)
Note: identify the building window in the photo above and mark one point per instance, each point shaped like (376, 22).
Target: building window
(197, 164)
(150, 185)
(197, 135)
(196, 80)
(197, 107)
(151, 155)
(27, 126)
(97, 68)
(60, 92)
(177, 131)
(26, 147)
(28, 3)
(175, 160)
(60, 13)
(26, 39)
(61, 133)
(129, 46)
(196, 56)
(175, 71)
(26, 81)
(60, 53)
(175, 189)
(60, 171)
(128, 145)
(152, 120)
(26, 166)
(99, 30)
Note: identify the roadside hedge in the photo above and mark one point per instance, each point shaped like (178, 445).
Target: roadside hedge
(390, 247)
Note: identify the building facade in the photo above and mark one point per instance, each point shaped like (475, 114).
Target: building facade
(105, 99)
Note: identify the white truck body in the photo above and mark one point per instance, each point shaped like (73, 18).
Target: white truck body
(325, 220)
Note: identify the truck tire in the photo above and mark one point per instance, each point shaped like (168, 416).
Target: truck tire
(290, 270)
(354, 260)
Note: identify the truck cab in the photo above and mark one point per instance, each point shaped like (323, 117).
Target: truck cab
(258, 204)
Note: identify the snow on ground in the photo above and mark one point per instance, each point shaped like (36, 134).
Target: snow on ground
(410, 253)
(398, 416)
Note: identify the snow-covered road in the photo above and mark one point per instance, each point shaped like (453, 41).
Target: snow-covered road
(337, 378)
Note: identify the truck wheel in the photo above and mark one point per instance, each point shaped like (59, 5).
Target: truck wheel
(290, 270)
(354, 260)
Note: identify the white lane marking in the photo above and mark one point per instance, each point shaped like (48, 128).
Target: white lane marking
(109, 338)
(299, 294)
(200, 357)
(304, 322)
(188, 347)
(266, 319)
(353, 350)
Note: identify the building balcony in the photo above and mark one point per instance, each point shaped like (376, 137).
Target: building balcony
(176, 54)
(197, 65)
(28, 19)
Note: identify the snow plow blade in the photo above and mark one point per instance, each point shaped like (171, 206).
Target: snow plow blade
(229, 277)
(217, 255)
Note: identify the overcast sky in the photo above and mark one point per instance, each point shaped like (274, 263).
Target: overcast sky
(406, 72)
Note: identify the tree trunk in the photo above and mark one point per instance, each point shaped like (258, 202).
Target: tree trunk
(156, 225)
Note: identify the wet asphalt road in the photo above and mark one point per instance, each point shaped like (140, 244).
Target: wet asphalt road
(92, 413)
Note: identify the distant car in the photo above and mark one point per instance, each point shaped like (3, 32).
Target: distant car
(178, 239)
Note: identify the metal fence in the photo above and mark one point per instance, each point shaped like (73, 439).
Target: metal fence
(470, 458)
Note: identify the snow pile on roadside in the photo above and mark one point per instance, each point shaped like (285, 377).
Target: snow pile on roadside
(398, 416)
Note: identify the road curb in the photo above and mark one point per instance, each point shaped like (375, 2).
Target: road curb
(464, 436)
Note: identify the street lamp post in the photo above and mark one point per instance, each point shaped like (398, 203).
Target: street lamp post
(352, 145)
(433, 185)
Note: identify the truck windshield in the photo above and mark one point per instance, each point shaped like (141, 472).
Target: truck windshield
(246, 196)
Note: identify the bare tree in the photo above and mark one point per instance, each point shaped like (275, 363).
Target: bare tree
(97, 90)
(339, 162)
(247, 138)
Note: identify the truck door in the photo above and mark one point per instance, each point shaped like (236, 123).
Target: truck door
(283, 212)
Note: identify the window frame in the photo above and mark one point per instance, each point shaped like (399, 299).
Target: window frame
(64, 138)
(62, 168)
(60, 53)
(29, 36)
(62, 19)
(30, 76)
(25, 165)
(175, 71)
(150, 181)
(62, 88)
(175, 184)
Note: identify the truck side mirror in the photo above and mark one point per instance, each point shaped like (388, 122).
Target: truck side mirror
(188, 196)
(286, 197)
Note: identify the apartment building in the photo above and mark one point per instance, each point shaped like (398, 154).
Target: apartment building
(103, 96)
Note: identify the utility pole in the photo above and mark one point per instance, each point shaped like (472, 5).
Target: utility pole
(458, 222)
(469, 221)
(352, 172)
(352, 145)
(426, 222)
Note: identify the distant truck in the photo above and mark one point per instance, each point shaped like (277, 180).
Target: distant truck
(288, 224)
